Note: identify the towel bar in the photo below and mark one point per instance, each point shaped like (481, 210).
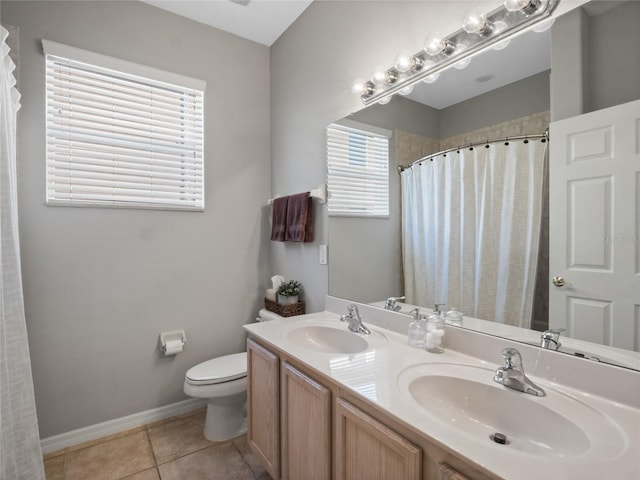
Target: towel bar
(320, 193)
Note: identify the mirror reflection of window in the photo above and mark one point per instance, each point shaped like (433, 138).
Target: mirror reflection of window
(358, 170)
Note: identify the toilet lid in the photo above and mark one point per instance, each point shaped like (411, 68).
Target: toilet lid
(219, 370)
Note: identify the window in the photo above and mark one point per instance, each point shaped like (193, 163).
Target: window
(358, 177)
(121, 134)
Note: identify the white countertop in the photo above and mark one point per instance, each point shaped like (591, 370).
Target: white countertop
(382, 372)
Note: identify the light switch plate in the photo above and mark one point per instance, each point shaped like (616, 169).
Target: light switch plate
(322, 254)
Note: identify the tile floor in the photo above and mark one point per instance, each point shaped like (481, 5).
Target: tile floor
(172, 449)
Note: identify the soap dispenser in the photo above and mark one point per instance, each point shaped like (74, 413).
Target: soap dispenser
(417, 330)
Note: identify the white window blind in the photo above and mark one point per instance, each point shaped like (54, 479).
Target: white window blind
(358, 176)
(121, 134)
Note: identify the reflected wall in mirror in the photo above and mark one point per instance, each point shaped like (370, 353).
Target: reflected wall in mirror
(586, 62)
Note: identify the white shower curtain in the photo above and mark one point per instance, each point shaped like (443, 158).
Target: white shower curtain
(470, 230)
(20, 452)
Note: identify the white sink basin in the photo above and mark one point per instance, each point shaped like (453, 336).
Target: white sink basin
(466, 398)
(331, 337)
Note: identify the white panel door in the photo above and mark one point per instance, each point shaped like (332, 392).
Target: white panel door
(594, 199)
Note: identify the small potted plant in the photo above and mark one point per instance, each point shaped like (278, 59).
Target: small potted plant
(288, 292)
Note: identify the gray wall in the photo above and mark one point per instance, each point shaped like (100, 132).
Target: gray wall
(101, 284)
(614, 46)
(518, 99)
(594, 61)
(401, 114)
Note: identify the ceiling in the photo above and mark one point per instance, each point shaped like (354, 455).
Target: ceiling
(526, 55)
(262, 21)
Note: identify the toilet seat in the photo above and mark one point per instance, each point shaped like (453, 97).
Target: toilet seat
(218, 370)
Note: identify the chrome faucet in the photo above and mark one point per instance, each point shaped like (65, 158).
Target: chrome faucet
(512, 374)
(354, 320)
(390, 303)
(550, 339)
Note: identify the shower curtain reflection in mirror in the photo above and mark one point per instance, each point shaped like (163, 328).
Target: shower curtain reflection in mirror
(471, 229)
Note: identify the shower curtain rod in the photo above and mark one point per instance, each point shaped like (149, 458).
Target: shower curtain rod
(544, 136)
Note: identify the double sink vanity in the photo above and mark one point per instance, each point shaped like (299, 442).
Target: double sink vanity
(326, 402)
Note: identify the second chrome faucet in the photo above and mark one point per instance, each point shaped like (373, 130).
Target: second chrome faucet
(512, 375)
(354, 320)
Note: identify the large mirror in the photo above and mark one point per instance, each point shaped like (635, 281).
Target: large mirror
(515, 91)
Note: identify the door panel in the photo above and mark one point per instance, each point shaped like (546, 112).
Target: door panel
(594, 199)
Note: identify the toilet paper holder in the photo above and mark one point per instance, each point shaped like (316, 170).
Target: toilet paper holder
(169, 340)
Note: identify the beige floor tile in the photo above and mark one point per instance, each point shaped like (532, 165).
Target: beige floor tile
(178, 438)
(151, 474)
(219, 462)
(111, 460)
(97, 441)
(249, 457)
(196, 411)
(54, 468)
(57, 453)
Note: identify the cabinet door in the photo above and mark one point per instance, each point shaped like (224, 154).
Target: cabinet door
(263, 433)
(365, 448)
(306, 427)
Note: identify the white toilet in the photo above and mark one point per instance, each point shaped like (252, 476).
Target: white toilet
(223, 381)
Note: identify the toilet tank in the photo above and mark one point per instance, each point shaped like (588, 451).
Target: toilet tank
(265, 315)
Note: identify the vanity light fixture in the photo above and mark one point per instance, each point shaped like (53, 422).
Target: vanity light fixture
(480, 31)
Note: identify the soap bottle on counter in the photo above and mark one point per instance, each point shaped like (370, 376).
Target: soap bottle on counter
(417, 333)
(453, 317)
(435, 333)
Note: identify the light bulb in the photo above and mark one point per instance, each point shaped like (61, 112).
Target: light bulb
(404, 61)
(525, 6)
(379, 76)
(406, 90)
(475, 21)
(382, 76)
(500, 27)
(502, 45)
(462, 64)
(544, 25)
(435, 44)
(434, 76)
(359, 86)
(385, 100)
(431, 78)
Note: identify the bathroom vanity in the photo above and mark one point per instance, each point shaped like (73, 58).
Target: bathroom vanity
(325, 403)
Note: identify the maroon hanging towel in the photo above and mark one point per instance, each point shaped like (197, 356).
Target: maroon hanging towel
(279, 218)
(297, 217)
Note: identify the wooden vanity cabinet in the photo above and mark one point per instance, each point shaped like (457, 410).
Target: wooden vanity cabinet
(289, 418)
(304, 428)
(365, 448)
(263, 405)
(305, 425)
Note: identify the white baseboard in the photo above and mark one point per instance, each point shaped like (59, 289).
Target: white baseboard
(85, 434)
